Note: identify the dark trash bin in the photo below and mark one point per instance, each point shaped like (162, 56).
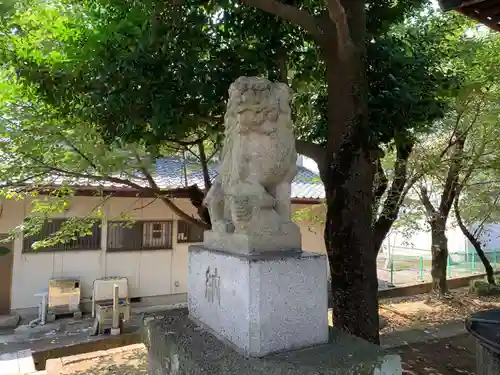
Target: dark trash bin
(485, 327)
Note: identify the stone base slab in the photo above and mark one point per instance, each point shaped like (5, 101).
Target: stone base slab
(288, 240)
(177, 346)
(261, 304)
(9, 321)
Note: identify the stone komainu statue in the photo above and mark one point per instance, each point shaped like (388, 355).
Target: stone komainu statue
(252, 191)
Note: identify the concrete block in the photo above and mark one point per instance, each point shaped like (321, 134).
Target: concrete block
(289, 238)
(261, 304)
(9, 321)
(115, 331)
(176, 346)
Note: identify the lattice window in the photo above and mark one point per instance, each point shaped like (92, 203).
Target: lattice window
(92, 242)
(188, 233)
(141, 235)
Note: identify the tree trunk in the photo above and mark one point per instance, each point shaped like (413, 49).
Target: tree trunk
(439, 249)
(347, 164)
(490, 274)
(477, 245)
(204, 166)
(395, 195)
(352, 260)
(348, 177)
(439, 217)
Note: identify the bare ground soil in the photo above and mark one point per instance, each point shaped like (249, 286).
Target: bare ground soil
(454, 356)
(424, 311)
(450, 356)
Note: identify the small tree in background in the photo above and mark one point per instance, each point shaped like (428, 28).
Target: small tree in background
(119, 66)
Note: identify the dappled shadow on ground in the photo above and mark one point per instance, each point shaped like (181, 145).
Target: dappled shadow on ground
(450, 356)
(425, 310)
(128, 363)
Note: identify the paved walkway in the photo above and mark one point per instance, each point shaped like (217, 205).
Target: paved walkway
(16, 363)
(61, 333)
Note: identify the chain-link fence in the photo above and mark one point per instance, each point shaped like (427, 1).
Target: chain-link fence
(400, 269)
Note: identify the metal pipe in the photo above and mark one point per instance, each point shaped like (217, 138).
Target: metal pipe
(116, 310)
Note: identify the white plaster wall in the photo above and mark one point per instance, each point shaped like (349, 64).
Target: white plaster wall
(418, 243)
(150, 273)
(490, 238)
(312, 234)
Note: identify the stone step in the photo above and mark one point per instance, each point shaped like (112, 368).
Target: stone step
(17, 363)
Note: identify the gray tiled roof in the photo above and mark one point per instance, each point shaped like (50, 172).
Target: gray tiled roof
(169, 174)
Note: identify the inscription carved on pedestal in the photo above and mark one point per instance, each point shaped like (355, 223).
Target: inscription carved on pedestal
(212, 286)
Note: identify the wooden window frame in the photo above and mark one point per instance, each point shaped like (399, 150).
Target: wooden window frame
(188, 229)
(91, 243)
(138, 242)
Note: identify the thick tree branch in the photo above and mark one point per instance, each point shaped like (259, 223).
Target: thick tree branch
(151, 189)
(79, 152)
(193, 197)
(311, 150)
(182, 214)
(145, 172)
(214, 152)
(63, 172)
(409, 185)
(289, 13)
(426, 201)
(146, 205)
(473, 240)
(460, 188)
(486, 217)
(338, 16)
(22, 181)
(451, 183)
(204, 166)
(188, 143)
(380, 184)
(395, 196)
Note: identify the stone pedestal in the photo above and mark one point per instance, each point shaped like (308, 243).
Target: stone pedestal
(177, 346)
(288, 238)
(260, 303)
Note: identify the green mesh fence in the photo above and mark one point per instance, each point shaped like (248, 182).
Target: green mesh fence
(405, 269)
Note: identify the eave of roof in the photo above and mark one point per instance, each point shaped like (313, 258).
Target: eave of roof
(180, 193)
(176, 176)
(486, 12)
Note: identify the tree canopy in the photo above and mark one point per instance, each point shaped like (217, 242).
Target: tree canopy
(138, 75)
(460, 155)
(121, 65)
